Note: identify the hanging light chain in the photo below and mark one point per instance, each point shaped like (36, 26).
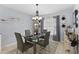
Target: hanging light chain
(37, 12)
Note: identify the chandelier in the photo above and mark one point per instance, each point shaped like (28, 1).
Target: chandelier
(36, 21)
(37, 17)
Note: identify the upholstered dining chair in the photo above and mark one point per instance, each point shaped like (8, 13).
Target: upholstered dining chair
(44, 42)
(44, 31)
(20, 45)
(27, 34)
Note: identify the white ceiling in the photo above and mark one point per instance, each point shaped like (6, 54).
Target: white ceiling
(43, 8)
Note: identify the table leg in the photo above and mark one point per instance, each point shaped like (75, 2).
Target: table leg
(34, 48)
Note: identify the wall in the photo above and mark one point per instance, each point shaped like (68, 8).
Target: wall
(68, 13)
(7, 29)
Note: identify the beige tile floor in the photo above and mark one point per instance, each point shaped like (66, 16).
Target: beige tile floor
(54, 48)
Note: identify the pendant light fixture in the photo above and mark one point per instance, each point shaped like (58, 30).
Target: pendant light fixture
(37, 21)
(37, 17)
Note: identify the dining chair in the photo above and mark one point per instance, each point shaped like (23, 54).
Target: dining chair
(27, 34)
(20, 45)
(44, 42)
(44, 31)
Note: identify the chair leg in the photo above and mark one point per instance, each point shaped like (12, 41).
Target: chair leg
(42, 49)
(47, 50)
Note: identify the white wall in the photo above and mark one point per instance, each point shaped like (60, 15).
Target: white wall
(7, 29)
(68, 13)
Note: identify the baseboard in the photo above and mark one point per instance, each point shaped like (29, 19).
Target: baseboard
(9, 47)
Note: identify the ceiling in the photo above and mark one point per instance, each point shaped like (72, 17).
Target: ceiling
(43, 8)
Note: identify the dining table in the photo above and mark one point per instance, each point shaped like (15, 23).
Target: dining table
(34, 39)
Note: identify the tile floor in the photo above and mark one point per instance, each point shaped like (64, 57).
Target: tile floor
(54, 48)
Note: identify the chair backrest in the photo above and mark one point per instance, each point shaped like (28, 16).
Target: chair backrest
(27, 32)
(46, 38)
(20, 44)
(44, 31)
